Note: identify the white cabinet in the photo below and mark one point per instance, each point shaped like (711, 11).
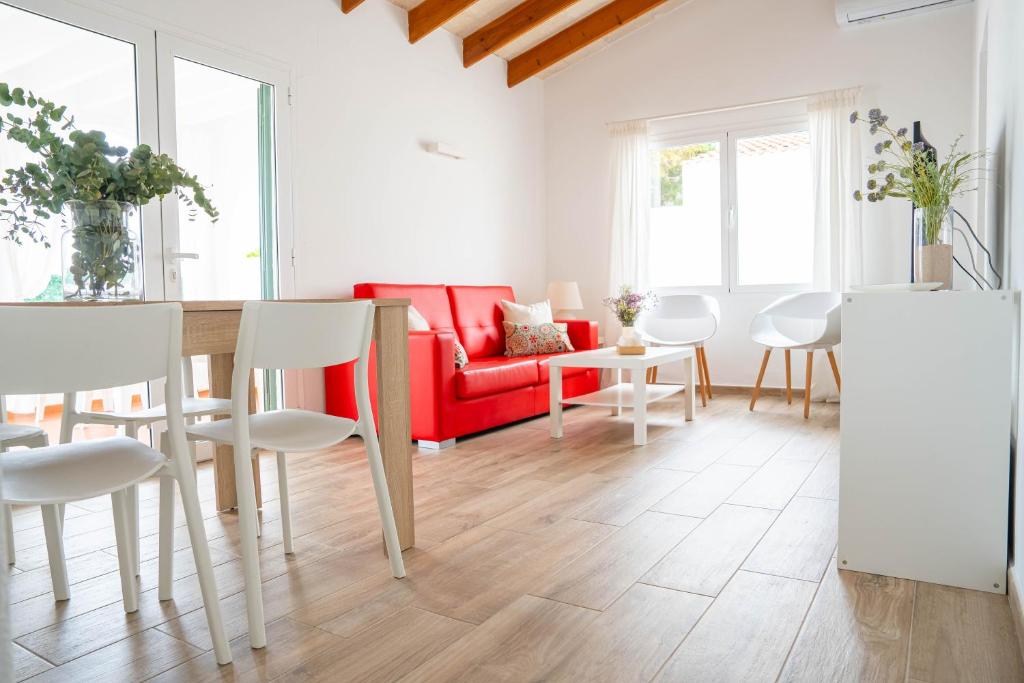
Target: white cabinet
(925, 435)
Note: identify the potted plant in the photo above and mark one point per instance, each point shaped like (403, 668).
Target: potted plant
(96, 186)
(628, 306)
(910, 170)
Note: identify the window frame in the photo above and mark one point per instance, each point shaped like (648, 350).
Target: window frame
(727, 136)
(697, 137)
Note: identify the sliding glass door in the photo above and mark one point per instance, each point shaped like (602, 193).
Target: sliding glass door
(225, 114)
(103, 71)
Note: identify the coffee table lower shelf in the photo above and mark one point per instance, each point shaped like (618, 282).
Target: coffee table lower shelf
(621, 395)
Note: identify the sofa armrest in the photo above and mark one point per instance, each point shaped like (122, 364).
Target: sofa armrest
(582, 333)
(431, 381)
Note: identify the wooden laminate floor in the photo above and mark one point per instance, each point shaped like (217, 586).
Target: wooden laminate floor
(708, 555)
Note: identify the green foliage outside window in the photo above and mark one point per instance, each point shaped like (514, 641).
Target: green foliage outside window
(669, 170)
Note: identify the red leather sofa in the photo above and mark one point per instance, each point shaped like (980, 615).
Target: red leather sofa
(491, 390)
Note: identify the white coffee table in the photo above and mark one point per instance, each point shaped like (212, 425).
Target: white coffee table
(636, 394)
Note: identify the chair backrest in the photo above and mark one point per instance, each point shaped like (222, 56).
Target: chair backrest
(57, 349)
(812, 317)
(810, 305)
(293, 335)
(682, 317)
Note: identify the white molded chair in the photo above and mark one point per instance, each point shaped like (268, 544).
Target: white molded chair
(12, 435)
(38, 359)
(809, 321)
(284, 335)
(133, 420)
(683, 320)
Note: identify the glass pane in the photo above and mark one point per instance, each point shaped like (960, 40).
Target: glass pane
(222, 139)
(94, 76)
(686, 216)
(99, 91)
(774, 210)
(225, 136)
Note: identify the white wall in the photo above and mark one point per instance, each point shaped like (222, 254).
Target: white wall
(1001, 128)
(718, 53)
(369, 202)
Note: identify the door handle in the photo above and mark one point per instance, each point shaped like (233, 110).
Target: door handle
(180, 255)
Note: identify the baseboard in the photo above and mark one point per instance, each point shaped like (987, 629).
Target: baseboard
(1013, 590)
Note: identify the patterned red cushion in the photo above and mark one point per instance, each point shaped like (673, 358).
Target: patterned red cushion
(522, 339)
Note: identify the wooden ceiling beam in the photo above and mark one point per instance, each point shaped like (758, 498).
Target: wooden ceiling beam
(349, 5)
(431, 14)
(509, 26)
(590, 28)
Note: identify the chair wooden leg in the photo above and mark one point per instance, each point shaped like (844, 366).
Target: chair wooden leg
(55, 550)
(707, 372)
(835, 370)
(789, 382)
(701, 378)
(807, 387)
(760, 377)
(654, 375)
(286, 507)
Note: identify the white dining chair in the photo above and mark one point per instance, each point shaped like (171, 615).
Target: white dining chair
(808, 321)
(12, 436)
(133, 420)
(286, 335)
(683, 320)
(38, 359)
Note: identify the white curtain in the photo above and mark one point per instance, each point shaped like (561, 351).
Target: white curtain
(836, 174)
(631, 202)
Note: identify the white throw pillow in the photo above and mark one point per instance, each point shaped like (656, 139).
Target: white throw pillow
(527, 314)
(417, 323)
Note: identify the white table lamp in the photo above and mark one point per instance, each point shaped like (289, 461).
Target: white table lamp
(564, 298)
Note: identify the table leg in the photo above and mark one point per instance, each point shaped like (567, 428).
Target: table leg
(617, 410)
(391, 334)
(221, 367)
(555, 397)
(639, 408)
(691, 383)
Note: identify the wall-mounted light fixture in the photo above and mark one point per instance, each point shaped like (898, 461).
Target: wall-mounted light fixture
(445, 150)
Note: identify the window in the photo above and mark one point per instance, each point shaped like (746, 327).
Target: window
(733, 208)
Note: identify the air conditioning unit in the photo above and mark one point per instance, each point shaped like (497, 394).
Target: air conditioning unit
(863, 11)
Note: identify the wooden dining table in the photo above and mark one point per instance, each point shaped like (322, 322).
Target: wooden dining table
(210, 328)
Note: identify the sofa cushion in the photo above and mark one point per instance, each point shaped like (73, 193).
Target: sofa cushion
(522, 339)
(430, 300)
(544, 368)
(486, 376)
(477, 314)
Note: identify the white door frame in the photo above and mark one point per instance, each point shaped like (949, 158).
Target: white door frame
(169, 46)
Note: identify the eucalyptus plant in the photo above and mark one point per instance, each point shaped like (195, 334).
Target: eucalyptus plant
(908, 170)
(85, 172)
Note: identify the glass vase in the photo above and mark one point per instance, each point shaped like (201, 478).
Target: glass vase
(101, 258)
(933, 245)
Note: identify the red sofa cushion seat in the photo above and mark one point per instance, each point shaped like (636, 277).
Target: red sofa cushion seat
(430, 300)
(495, 375)
(478, 317)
